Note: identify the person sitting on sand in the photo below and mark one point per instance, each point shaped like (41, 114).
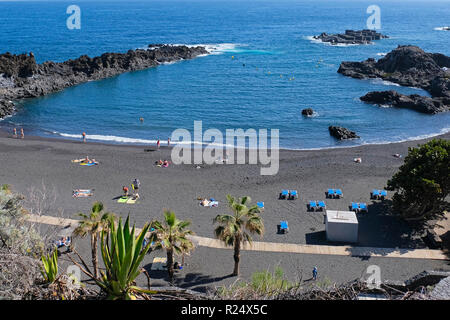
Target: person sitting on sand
(165, 164)
(86, 160)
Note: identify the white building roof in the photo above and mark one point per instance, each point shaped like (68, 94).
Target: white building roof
(341, 216)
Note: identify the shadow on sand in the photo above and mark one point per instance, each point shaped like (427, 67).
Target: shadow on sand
(377, 228)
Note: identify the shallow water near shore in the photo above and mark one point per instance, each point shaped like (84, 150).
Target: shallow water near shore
(263, 70)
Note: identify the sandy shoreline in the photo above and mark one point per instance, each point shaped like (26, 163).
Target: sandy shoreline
(35, 161)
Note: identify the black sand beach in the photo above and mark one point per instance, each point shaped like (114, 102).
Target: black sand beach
(34, 162)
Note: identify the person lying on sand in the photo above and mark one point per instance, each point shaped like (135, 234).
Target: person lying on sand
(161, 163)
(205, 202)
(83, 160)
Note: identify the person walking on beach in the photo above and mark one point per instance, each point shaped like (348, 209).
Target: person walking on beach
(158, 143)
(84, 137)
(22, 135)
(15, 133)
(168, 142)
(314, 272)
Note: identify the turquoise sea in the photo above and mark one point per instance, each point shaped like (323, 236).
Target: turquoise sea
(262, 71)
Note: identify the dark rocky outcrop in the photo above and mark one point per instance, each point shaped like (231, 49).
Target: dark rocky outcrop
(308, 112)
(414, 101)
(407, 66)
(351, 37)
(342, 133)
(21, 77)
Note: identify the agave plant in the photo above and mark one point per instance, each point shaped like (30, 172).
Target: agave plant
(50, 266)
(122, 255)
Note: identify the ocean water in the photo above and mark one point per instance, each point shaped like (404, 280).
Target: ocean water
(262, 71)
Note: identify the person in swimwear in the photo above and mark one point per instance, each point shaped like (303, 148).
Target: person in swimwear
(125, 191)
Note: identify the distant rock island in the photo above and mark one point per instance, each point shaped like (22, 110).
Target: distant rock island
(407, 66)
(351, 37)
(21, 77)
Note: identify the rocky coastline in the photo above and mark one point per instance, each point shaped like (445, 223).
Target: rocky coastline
(351, 37)
(21, 77)
(407, 66)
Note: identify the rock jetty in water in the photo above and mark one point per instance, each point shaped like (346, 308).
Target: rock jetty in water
(407, 66)
(342, 133)
(21, 77)
(351, 37)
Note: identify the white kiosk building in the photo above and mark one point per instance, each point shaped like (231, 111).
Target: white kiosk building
(341, 226)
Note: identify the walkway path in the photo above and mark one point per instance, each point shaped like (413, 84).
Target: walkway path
(286, 247)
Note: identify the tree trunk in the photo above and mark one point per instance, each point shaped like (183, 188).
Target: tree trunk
(237, 255)
(170, 264)
(94, 254)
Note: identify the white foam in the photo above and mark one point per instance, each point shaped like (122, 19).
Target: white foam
(127, 140)
(441, 28)
(215, 49)
(314, 40)
(384, 82)
(381, 54)
(394, 140)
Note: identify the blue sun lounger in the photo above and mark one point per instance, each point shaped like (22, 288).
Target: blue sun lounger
(338, 193)
(363, 207)
(284, 194)
(330, 193)
(260, 205)
(284, 228)
(293, 194)
(375, 194)
(321, 205)
(383, 194)
(312, 206)
(355, 206)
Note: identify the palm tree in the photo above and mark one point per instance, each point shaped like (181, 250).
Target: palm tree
(172, 236)
(235, 229)
(92, 224)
